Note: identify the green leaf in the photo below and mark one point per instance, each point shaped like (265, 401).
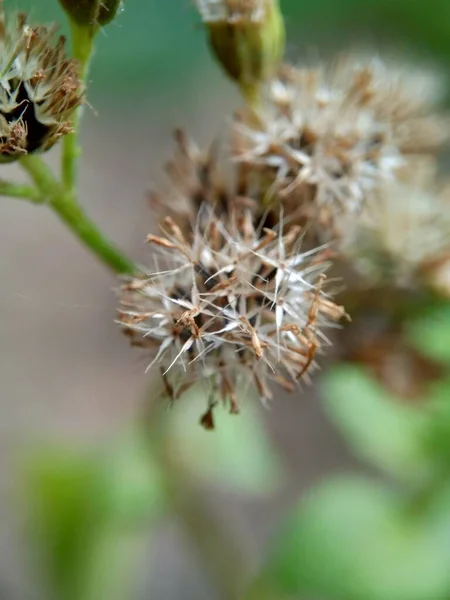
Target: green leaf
(430, 334)
(377, 427)
(237, 455)
(91, 512)
(354, 539)
(60, 488)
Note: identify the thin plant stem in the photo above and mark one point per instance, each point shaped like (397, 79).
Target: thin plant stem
(82, 49)
(219, 552)
(252, 95)
(64, 203)
(22, 191)
(261, 590)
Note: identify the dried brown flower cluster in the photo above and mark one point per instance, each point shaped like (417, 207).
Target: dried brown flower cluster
(237, 295)
(403, 234)
(39, 88)
(231, 301)
(326, 138)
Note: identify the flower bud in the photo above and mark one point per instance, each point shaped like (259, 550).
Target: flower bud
(91, 12)
(247, 37)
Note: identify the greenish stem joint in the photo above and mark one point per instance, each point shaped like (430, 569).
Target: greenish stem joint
(64, 204)
(21, 191)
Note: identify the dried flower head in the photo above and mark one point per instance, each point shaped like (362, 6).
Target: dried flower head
(39, 88)
(246, 36)
(195, 179)
(198, 178)
(327, 137)
(403, 233)
(231, 307)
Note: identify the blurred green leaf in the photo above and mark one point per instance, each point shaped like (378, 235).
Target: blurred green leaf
(90, 513)
(237, 454)
(430, 334)
(376, 426)
(130, 479)
(354, 539)
(61, 486)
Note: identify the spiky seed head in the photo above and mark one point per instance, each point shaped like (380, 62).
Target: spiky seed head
(326, 137)
(235, 306)
(246, 36)
(199, 177)
(39, 88)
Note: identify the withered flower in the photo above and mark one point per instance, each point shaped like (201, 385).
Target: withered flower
(326, 138)
(234, 306)
(39, 88)
(402, 236)
(198, 177)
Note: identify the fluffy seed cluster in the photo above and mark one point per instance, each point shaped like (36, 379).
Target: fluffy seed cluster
(234, 305)
(237, 295)
(39, 88)
(326, 138)
(208, 178)
(403, 233)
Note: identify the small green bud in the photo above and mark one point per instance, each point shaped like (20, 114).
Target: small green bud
(247, 37)
(91, 12)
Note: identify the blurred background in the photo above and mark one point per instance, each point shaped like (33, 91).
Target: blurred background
(66, 373)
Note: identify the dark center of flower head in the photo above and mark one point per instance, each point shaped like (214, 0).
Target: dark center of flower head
(25, 113)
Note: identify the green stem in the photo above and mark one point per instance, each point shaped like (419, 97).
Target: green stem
(217, 549)
(22, 191)
(252, 95)
(65, 205)
(71, 213)
(221, 556)
(261, 590)
(82, 48)
(41, 175)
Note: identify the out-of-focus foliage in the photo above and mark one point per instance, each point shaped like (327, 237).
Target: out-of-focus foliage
(431, 334)
(89, 516)
(353, 538)
(378, 428)
(237, 456)
(358, 539)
